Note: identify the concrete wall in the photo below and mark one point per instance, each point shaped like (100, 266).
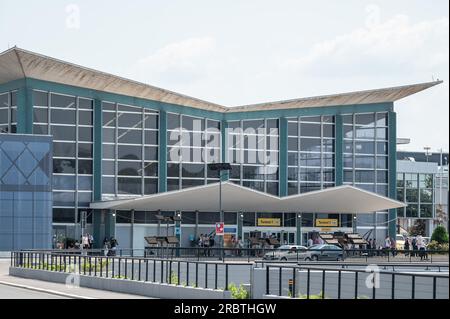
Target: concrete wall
(148, 289)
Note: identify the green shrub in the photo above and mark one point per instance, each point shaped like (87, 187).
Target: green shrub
(318, 296)
(434, 245)
(440, 235)
(238, 292)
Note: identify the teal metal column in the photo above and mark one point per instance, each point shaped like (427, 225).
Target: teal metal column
(240, 221)
(110, 223)
(98, 132)
(97, 228)
(339, 151)
(283, 171)
(392, 171)
(298, 224)
(223, 132)
(162, 168)
(25, 110)
(97, 172)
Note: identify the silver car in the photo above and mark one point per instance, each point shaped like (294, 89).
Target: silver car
(287, 252)
(324, 252)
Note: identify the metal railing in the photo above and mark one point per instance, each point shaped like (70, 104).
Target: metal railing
(315, 282)
(188, 273)
(252, 254)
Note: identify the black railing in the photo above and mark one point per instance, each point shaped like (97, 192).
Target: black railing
(188, 273)
(271, 254)
(314, 282)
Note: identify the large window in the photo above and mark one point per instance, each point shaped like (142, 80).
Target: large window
(365, 151)
(311, 154)
(8, 112)
(130, 150)
(253, 151)
(416, 190)
(192, 144)
(69, 119)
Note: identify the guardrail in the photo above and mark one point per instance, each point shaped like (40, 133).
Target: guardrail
(416, 266)
(200, 274)
(328, 282)
(251, 254)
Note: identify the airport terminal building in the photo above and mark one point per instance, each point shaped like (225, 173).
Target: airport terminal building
(114, 139)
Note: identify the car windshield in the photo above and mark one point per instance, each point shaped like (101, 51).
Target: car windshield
(284, 247)
(316, 247)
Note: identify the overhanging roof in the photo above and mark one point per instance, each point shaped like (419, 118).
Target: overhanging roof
(17, 63)
(235, 198)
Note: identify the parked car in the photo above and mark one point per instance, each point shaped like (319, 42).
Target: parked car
(400, 242)
(324, 252)
(287, 252)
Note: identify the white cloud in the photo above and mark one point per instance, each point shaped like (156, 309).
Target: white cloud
(178, 62)
(392, 46)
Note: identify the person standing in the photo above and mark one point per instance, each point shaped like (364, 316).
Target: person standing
(414, 247)
(407, 246)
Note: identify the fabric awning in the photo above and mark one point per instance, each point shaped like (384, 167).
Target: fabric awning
(236, 198)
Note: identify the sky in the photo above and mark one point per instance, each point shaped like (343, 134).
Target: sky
(250, 51)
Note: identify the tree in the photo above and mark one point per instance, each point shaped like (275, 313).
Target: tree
(440, 235)
(418, 228)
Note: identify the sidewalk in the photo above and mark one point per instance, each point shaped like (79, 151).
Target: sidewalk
(58, 289)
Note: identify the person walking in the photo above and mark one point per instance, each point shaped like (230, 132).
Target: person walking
(407, 242)
(414, 247)
(387, 244)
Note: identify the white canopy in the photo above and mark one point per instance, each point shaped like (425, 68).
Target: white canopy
(235, 198)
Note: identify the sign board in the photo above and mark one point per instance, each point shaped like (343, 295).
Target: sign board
(269, 222)
(177, 231)
(327, 223)
(219, 229)
(229, 230)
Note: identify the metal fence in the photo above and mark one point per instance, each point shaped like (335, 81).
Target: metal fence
(201, 274)
(320, 282)
(252, 254)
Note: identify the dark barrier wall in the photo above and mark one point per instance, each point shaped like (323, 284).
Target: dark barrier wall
(25, 191)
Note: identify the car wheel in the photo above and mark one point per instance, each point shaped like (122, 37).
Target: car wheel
(307, 259)
(315, 258)
(283, 259)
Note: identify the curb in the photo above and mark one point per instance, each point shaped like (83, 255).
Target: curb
(48, 291)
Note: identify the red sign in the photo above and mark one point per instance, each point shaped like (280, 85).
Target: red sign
(219, 229)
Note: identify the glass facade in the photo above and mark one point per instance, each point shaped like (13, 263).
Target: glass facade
(8, 112)
(69, 119)
(132, 160)
(25, 192)
(253, 151)
(417, 191)
(130, 150)
(192, 143)
(311, 154)
(365, 160)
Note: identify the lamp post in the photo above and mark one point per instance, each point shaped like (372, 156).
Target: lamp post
(427, 152)
(220, 167)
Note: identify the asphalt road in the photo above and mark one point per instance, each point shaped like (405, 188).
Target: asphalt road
(8, 292)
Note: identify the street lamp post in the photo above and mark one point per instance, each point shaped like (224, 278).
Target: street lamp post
(220, 167)
(427, 152)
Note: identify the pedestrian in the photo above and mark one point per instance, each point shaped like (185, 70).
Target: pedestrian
(414, 247)
(393, 247)
(113, 244)
(310, 242)
(407, 242)
(106, 245)
(420, 247)
(387, 244)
